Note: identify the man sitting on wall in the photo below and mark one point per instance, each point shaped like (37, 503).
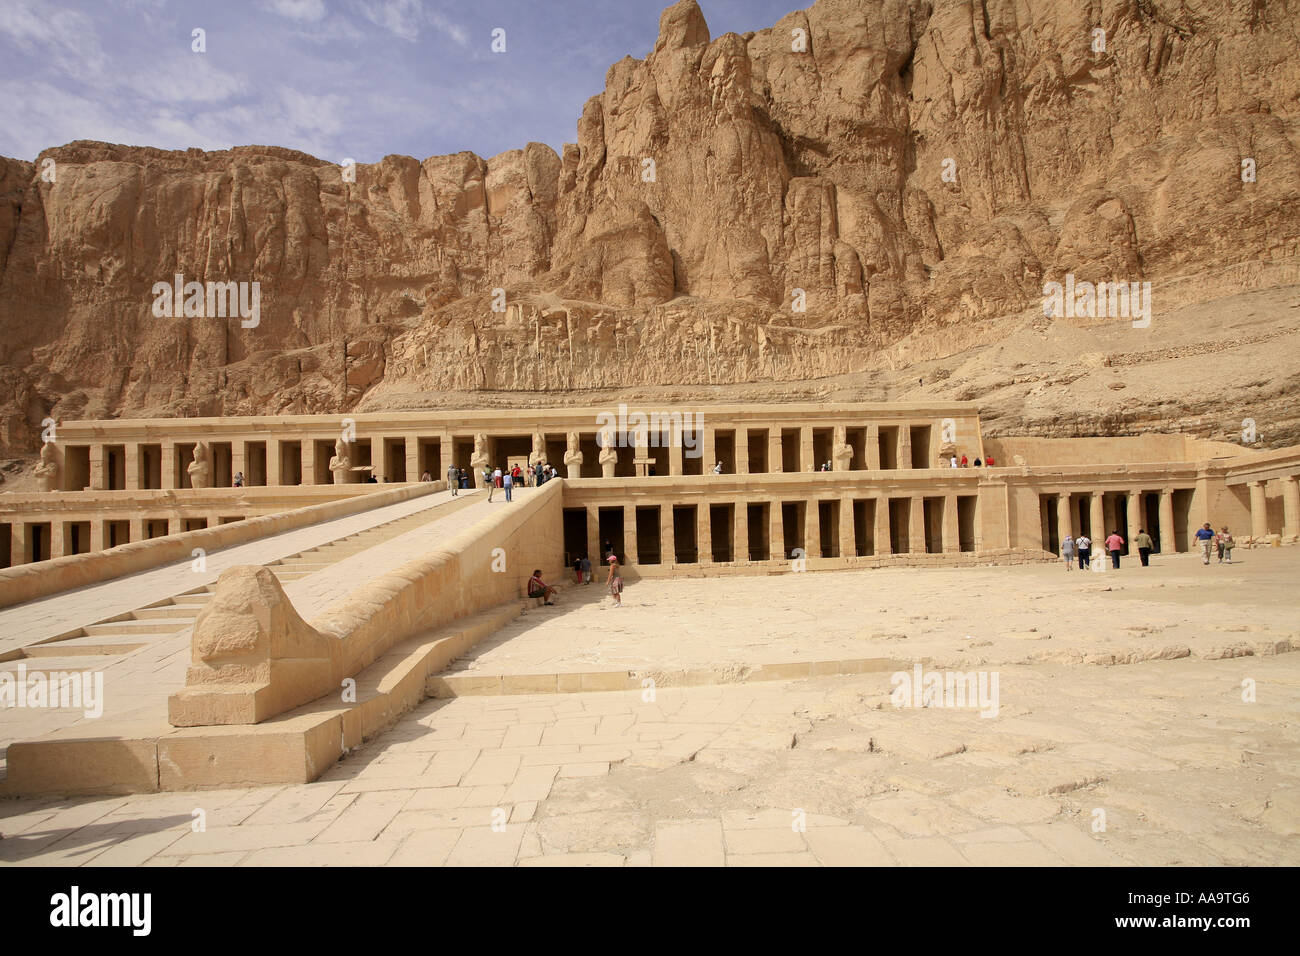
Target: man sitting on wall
(537, 588)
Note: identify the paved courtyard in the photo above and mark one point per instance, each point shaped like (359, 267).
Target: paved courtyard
(1143, 717)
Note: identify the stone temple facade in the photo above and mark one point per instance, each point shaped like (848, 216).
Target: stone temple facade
(229, 616)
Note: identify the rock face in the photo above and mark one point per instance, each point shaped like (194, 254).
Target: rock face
(900, 169)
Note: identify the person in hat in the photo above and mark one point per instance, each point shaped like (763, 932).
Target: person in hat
(615, 580)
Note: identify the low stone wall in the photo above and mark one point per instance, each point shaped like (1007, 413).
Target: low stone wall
(254, 658)
(26, 582)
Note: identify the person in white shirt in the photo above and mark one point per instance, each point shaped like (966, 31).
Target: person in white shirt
(717, 469)
(1083, 544)
(953, 461)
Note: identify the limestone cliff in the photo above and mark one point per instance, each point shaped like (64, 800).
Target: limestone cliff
(914, 171)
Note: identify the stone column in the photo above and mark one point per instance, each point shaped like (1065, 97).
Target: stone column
(446, 452)
(883, 545)
(916, 525)
(1291, 506)
(595, 551)
(775, 531)
(904, 446)
(412, 450)
(238, 461)
(709, 446)
(740, 531)
(806, 462)
(675, 454)
(96, 534)
(1133, 521)
(17, 544)
(1064, 516)
(848, 544)
(1258, 511)
(274, 459)
(137, 529)
(98, 469)
(58, 538)
(167, 466)
(774, 462)
(629, 535)
(951, 527)
(812, 528)
(641, 450)
(132, 465)
(873, 448)
(1168, 534)
(307, 460)
(703, 534)
(667, 537)
(1098, 520)
(742, 451)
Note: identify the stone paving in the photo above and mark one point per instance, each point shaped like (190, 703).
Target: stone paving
(1186, 761)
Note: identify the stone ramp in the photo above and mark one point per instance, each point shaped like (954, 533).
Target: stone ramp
(142, 654)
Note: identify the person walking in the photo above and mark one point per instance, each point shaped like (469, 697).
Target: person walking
(1067, 552)
(487, 480)
(577, 570)
(1113, 544)
(1205, 538)
(1144, 545)
(586, 569)
(453, 480)
(1083, 547)
(615, 581)
(1225, 545)
(508, 483)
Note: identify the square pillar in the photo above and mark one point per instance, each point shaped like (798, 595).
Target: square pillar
(847, 543)
(412, 451)
(774, 458)
(1098, 521)
(1133, 520)
(1291, 507)
(238, 460)
(951, 526)
(742, 451)
(630, 555)
(168, 465)
(806, 462)
(709, 447)
(274, 474)
(594, 551)
(873, 448)
(137, 529)
(916, 524)
(667, 537)
(98, 476)
(58, 539)
(675, 455)
(307, 459)
(812, 525)
(1168, 535)
(775, 531)
(883, 544)
(132, 451)
(1258, 511)
(905, 447)
(17, 544)
(740, 531)
(96, 535)
(703, 533)
(446, 453)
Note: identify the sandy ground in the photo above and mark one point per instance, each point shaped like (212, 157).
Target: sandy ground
(1188, 755)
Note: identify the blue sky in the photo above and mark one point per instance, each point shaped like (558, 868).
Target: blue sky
(335, 78)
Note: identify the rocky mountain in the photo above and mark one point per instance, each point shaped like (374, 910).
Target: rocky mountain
(865, 188)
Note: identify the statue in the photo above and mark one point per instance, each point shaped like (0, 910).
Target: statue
(538, 454)
(479, 460)
(47, 469)
(200, 469)
(341, 463)
(841, 451)
(573, 457)
(608, 456)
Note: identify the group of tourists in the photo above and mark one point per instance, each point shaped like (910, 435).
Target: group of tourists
(964, 462)
(1209, 541)
(1080, 549)
(540, 590)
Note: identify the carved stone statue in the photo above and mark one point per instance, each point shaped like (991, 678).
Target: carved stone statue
(341, 463)
(573, 457)
(200, 469)
(538, 454)
(608, 454)
(48, 468)
(842, 451)
(479, 460)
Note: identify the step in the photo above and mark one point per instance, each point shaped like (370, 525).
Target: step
(174, 612)
(84, 647)
(132, 627)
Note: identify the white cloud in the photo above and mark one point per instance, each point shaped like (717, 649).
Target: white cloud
(184, 78)
(67, 38)
(305, 10)
(404, 18)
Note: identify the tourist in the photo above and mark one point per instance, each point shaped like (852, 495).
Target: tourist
(1113, 544)
(608, 550)
(577, 570)
(586, 569)
(1067, 552)
(1144, 545)
(518, 474)
(464, 478)
(978, 463)
(537, 588)
(1225, 543)
(964, 461)
(508, 483)
(988, 462)
(615, 581)
(1205, 536)
(953, 460)
(487, 480)
(550, 472)
(1083, 546)
(239, 479)
(538, 479)
(717, 469)
(496, 476)
(453, 479)
(426, 477)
